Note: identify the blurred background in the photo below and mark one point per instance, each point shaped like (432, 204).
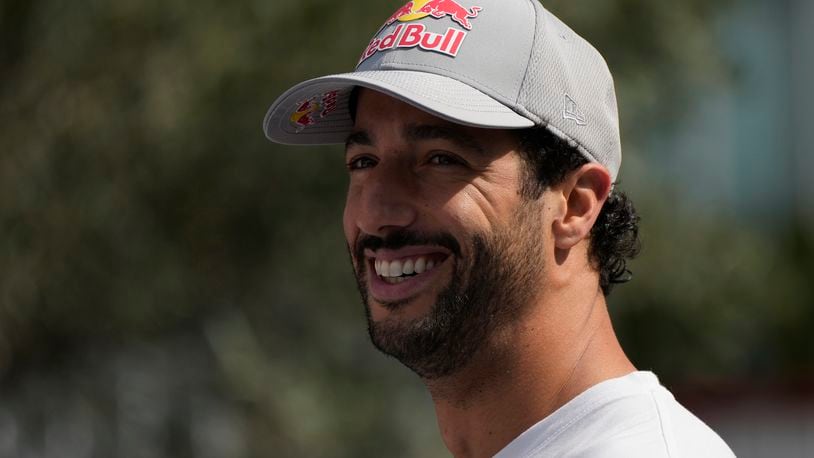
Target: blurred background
(173, 285)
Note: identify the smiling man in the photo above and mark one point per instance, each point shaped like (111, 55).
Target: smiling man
(482, 144)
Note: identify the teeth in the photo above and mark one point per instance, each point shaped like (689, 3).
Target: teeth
(420, 265)
(393, 270)
(408, 267)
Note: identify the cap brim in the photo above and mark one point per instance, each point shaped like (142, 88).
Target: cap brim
(331, 123)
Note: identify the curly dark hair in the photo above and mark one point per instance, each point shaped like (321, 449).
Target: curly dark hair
(615, 235)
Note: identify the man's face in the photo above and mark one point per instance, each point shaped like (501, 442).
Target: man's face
(445, 250)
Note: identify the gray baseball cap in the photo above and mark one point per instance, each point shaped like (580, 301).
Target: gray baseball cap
(502, 64)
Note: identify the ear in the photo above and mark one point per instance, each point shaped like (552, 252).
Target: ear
(583, 191)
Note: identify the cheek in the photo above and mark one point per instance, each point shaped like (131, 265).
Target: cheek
(349, 220)
(463, 214)
(347, 227)
(482, 209)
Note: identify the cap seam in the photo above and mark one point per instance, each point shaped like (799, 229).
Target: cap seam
(576, 144)
(531, 51)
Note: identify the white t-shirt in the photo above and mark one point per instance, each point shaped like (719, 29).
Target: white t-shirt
(626, 417)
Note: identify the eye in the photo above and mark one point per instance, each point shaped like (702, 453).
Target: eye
(445, 159)
(361, 162)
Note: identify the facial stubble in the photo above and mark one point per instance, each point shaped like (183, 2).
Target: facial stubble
(488, 291)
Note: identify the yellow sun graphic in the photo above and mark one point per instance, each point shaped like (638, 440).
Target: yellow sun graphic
(417, 5)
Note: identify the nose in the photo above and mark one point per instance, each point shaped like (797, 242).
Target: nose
(385, 202)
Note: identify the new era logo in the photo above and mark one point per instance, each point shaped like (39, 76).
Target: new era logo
(573, 113)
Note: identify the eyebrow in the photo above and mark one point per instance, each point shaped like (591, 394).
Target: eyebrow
(358, 138)
(419, 132)
(423, 132)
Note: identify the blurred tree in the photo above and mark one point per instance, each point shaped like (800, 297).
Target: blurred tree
(174, 285)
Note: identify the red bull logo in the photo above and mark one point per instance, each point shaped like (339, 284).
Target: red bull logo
(453, 9)
(413, 35)
(309, 111)
(418, 9)
(401, 14)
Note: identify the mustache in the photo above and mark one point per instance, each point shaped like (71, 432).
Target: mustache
(402, 238)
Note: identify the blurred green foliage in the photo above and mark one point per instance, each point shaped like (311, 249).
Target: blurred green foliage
(171, 284)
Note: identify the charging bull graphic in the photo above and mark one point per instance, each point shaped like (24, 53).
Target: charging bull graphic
(418, 35)
(405, 10)
(309, 111)
(438, 9)
(453, 9)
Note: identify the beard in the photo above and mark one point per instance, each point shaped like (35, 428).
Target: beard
(488, 291)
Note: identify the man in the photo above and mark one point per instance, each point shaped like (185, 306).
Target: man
(482, 144)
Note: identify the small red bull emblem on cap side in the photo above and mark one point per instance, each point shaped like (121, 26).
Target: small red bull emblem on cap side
(308, 111)
(414, 35)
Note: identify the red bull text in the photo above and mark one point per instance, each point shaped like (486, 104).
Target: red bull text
(413, 35)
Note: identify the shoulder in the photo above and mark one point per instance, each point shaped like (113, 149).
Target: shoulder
(685, 434)
(647, 424)
(633, 416)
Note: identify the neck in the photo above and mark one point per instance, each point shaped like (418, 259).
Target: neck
(524, 374)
